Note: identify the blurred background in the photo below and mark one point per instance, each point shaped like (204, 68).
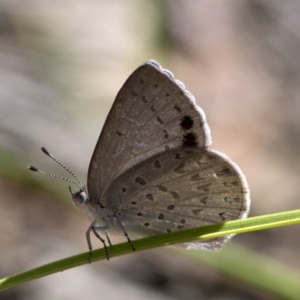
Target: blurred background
(61, 66)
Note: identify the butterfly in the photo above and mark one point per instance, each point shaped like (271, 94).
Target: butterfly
(152, 170)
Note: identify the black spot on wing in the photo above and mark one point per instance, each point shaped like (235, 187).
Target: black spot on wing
(162, 188)
(161, 217)
(166, 134)
(179, 169)
(225, 172)
(157, 164)
(150, 197)
(222, 215)
(140, 181)
(175, 195)
(196, 177)
(177, 108)
(190, 140)
(177, 156)
(159, 120)
(204, 187)
(204, 200)
(186, 123)
(196, 211)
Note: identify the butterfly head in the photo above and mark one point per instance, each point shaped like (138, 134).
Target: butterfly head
(80, 197)
(82, 202)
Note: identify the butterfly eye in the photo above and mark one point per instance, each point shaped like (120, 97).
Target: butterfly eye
(83, 195)
(77, 198)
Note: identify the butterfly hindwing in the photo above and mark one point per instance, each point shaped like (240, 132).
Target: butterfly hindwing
(179, 189)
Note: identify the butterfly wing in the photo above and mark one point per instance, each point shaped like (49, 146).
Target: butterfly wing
(180, 189)
(152, 113)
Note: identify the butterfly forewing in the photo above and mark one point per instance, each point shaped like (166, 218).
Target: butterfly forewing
(152, 113)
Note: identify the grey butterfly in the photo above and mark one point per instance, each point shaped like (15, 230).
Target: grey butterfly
(152, 170)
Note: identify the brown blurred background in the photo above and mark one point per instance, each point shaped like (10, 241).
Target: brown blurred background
(61, 66)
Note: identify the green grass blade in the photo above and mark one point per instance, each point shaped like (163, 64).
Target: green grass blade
(202, 233)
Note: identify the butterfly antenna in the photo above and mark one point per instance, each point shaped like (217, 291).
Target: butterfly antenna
(34, 169)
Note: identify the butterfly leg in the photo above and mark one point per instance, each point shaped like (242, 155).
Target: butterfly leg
(124, 231)
(108, 239)
(94, 229)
